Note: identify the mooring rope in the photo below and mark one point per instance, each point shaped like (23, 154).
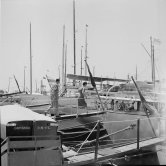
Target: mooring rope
(105, 136)
(88, 136)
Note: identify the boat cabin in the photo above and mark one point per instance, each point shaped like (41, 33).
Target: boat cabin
(28, 138)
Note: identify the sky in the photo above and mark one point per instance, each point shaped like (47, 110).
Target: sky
(116, 29)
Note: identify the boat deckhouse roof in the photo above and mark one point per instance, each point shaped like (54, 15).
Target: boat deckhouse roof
(12, 113)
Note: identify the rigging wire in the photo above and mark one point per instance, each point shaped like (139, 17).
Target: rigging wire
(108, 135)
(88, 136)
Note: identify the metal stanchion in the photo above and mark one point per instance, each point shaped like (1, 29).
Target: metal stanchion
(97, 141)
(138, 133)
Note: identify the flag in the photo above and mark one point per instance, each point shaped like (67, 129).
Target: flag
(156, 41)
(149, 109)
(90, 74)
(51, 81)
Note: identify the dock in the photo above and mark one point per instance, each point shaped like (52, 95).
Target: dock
(109, 153)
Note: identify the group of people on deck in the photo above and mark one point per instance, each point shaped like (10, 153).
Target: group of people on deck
(122, 106)
(114, 105)
(117, 105)
(54, 94)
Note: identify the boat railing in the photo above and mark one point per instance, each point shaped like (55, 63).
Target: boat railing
(133, 134)
(70, 106)
(23, 142)
(31, 150)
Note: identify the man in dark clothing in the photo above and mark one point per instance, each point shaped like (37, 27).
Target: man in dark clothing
(131, 106)
(112, 104)
(81, 98)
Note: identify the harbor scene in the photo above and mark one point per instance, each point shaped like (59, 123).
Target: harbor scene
(83, 82)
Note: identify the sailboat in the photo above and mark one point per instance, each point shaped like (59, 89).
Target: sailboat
(118, 121)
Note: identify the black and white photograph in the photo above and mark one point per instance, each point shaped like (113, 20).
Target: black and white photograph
(83, 82)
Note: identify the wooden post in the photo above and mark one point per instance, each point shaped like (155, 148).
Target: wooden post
(97, 140)
(138, 134)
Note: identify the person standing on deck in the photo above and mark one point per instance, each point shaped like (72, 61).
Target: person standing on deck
(116, 106)
(131, 108)
(55, 97)
(112, 104)
(81, 98)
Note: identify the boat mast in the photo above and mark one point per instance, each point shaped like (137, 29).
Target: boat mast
(152, 61)
(9, 84)
(93, 70)
(154, 78)
(63, 56)
(74, 37)
(30, 62)
(81, 60)
(41, 87)
(136, 73)
(36, 86)
(86, 48)
(151, 55)
(74, 41)
(65, 66)
(24, 77)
